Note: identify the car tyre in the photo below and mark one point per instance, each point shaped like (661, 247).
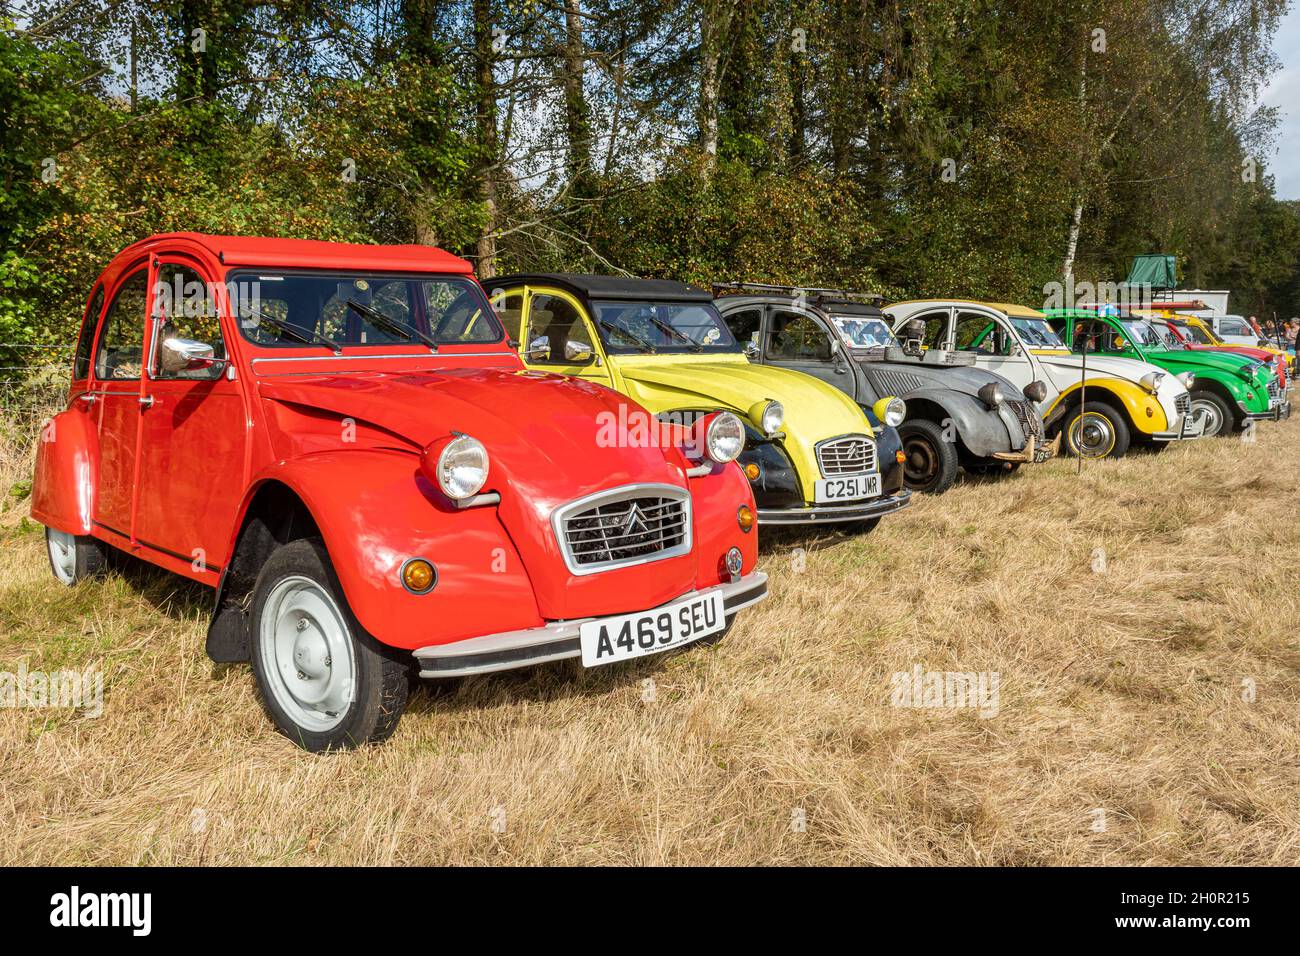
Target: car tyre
(326, 683)
(930, 461)
(74, 557)
(1214, 410)
(1096, 431)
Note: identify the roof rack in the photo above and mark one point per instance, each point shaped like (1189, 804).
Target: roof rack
(872, 298)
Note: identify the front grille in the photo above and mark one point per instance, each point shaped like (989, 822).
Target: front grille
(1274, 391)
(625, 526)
(1030, 423)
(1183, 404)
(850, 455)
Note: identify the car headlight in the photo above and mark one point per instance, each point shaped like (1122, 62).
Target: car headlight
(1036, 391)
(890, 411)
(1187, 378)
(724, 439)
(1151, 381)
(769, 416)
(991, 394)
(462, 467)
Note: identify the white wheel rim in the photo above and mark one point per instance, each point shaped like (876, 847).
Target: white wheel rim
(307, 654)
(63, 555)
(1206, 414)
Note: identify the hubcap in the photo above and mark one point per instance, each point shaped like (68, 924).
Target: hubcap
(921, 466)
(1092, 436)
(1208, 416)
(307, 653)
(63, 554)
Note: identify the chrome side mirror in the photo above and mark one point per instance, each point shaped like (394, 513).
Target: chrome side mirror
(575, 351)
(539, 350)
(180, 355)
(751, 351)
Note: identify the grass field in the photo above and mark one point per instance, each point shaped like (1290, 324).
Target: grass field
(1141, 620)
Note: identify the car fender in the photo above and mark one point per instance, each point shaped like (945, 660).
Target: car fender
(67, 468)
(1143, 409)
(375, 510)
(982, 430)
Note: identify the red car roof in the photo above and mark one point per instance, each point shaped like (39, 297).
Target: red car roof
(300, 253)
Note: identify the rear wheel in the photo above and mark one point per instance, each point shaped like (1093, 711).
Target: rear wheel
(930, 462)
(327, 684)
(74, 557)
(1096, 431)
(1212, 411)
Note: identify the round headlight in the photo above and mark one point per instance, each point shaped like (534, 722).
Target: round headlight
(890, 411)
(1187, 378)
(769, 417)
(1036, 391)
(991, 394)
(1151, 381)
(725, 438)
(462, 467)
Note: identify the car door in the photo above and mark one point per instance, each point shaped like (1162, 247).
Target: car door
(798, 340)
(114, 389)
(994, 345)
(192, 450)
(558, 336)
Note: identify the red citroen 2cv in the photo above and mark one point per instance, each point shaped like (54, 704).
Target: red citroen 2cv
(340, 440)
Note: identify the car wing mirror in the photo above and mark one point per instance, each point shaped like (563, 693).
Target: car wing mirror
(180, 355)
(575, 351)
(751, 351)
(539, 349)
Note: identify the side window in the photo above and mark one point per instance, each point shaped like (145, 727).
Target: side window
(184, 305)
(510, 310)
(745, 325)
(981, 333)
(797, 337)
(936, 326)
(555, 319)
(81, 364)
(121, 344)
(1235, 327)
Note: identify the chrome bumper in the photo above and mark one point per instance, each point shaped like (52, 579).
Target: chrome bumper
(1188, 429)
(1279, 412)
(556, 640)
(828, 514)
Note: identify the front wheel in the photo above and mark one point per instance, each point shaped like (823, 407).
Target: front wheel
(1096, 431)
(1212, 411)
(327, 684)
(930, 461)
(74, 557)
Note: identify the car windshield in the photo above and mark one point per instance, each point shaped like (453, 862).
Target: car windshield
(1197, 334)
(338, 309)
(1168, 335)
(1143, 334)
(1036, 333)
(627, 327)
(863, 332)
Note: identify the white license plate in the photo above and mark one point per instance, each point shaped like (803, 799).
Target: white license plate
(648, 632)
(1192, 428)
(851, 488)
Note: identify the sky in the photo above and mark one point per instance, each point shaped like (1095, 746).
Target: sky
(1284, 93)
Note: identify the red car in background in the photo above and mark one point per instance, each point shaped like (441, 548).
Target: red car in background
(341, 442)
(1189, 336)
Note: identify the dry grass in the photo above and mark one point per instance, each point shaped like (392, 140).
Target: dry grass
(1120, 690)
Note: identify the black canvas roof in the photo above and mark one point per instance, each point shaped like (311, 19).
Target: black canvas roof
(846, 307)
(606, 287)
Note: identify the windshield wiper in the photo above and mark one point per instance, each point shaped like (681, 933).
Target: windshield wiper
(668, 330)
(392, 325)
(297, 331)
(613, 329)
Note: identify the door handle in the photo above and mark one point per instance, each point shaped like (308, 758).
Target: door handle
(146, 401)
(90, 398)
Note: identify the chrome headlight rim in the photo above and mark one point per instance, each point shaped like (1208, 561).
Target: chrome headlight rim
(991, 395)
(724, 439)
(462, 467)
(1151, 381)
(895, 412)
(771, 417)
(1187, 378)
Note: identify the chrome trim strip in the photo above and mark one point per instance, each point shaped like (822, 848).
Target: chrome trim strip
(556, 640)
(439, 355)
(612, 496)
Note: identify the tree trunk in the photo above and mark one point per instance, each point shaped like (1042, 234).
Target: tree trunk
(711, 32)
(1072, 245)
(486, 130)
(576, 115)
